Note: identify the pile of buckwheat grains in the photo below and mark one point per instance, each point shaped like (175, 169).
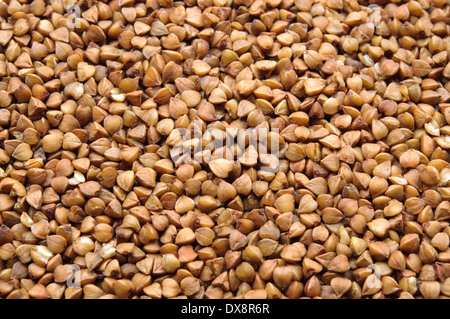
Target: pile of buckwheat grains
(210, 149)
